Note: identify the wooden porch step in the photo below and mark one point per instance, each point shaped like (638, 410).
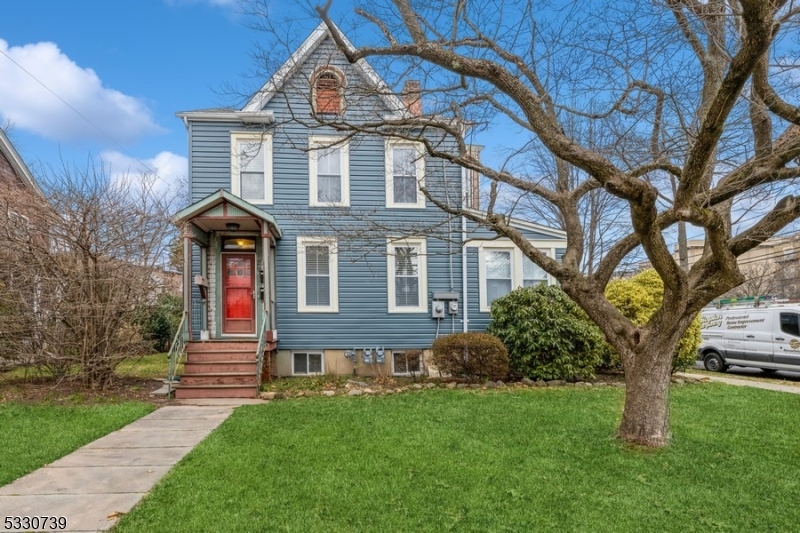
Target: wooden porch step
(183, 392)
(227, 378)
(217, 346)
(220, 356)
(215, 367)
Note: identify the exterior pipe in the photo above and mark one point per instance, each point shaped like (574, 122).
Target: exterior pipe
(465, 306)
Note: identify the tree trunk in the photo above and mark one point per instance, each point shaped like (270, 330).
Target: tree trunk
(645, 419)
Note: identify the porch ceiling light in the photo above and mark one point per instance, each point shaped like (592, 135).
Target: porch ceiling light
(232, 226)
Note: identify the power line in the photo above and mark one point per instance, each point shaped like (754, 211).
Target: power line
(98, 128)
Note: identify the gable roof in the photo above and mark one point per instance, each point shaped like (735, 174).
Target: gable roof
(527, 225)
(18, 164)
(296, 60)
(224, 197)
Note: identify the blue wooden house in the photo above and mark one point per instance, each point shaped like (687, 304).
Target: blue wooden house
(313, 251)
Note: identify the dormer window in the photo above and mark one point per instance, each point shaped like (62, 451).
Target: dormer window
(328, 91)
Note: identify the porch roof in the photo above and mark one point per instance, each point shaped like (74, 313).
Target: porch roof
(205, 215)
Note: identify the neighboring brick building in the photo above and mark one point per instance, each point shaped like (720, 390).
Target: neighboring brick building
(13, 170)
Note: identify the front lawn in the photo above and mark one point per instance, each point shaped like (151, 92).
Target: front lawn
(35, 435)
(514, 460)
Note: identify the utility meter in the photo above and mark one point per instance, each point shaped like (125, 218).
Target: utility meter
(367, 356)
(452, 307)
(380, 356)
(437, 309)
(350, 354)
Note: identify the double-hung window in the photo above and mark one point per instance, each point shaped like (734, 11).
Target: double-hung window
(405, 174)
(533, 274)
(502, 267)
(329, 169)
(498, 273)
(251, 167)
(317, 275)
(407, 276)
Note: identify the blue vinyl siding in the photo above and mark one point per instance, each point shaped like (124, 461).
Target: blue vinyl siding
(363, 318)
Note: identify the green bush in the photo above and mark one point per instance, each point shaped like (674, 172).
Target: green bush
(547, 335)
(162, 321)
(471, 355)
(638, 298)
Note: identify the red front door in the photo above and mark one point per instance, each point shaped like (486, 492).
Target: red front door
(238, 288)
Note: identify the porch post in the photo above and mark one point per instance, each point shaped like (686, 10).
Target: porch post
(204, 273)
(265, 282)
(187, 280)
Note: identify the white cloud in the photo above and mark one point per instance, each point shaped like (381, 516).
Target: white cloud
(166, 169)
(30, 106)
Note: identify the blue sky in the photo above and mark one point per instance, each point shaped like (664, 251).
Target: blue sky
(126, 66)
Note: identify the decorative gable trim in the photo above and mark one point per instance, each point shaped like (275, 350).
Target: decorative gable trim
(296, 60)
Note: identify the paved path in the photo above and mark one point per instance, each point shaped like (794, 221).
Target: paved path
(111, 474)
(793, 389)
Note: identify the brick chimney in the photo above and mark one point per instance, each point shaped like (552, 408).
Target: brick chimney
(411, 97)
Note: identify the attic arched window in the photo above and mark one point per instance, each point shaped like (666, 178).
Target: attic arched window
(328, 91)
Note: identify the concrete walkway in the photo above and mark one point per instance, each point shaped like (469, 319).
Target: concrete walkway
(93, 485)
(741, 382)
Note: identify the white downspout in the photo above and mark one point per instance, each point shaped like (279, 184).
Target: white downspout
(464, 291)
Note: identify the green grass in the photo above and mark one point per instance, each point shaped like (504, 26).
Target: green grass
(517, 460)
(35, 435)
(155, 366)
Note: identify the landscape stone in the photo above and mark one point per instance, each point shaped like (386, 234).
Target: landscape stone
(329, 393)
(267, 395)
(500, 384)
(462, 386)
(555, 382)
(527, 381)
(475, 385)
(451, 385)
(416, 386)
(355, 392)
(491, 385)
(539, 383)
(430, 385)
(359, 383)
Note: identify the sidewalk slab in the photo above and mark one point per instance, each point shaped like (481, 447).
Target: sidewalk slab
(87, 480)
(743, 382)
(94, 484)
(151, 439)
(82, 513)
(92, 457)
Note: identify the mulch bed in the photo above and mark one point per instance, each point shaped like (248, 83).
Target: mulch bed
(48, 390)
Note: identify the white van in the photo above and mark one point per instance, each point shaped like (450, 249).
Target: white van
(762, 337)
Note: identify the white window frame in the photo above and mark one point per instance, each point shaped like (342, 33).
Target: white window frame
(516, 263)
(421, 364)
(307, 353)
(422, 264)
(266, 153)
(316, 142)
(391, 144)
(333, 263)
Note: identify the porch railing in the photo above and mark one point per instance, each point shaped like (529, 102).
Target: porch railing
(262, 345)
(177, 350)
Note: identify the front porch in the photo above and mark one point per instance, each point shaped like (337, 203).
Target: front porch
(228, 296)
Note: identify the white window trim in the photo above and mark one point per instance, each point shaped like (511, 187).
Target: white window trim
(516, 263)
(266, 152)
(316, 142)
(423, 274)
(309, 352)
(333, 262)
(420, 163)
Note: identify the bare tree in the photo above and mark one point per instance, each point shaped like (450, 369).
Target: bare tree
(691, 93)
(79, 271)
